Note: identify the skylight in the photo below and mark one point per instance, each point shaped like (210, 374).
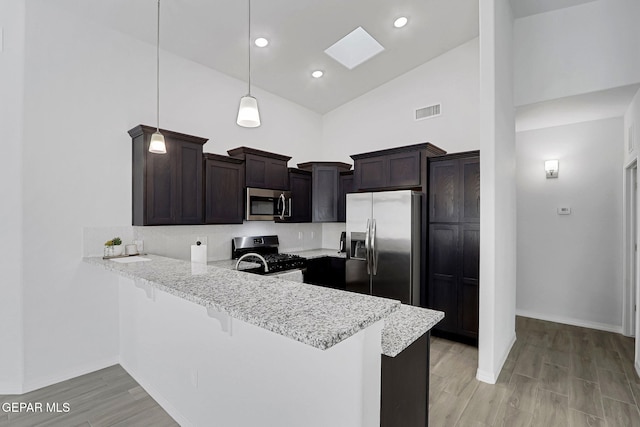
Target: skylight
(355, 48)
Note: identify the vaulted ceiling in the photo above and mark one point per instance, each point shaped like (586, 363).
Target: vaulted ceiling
(214, 33)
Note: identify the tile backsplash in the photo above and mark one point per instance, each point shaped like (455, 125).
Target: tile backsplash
(175, 241)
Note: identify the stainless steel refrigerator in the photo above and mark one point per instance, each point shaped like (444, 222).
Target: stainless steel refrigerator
(383, 244)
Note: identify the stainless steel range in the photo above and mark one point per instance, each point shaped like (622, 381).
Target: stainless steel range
(263, 250)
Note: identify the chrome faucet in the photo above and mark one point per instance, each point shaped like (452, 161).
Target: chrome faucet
(266, 267)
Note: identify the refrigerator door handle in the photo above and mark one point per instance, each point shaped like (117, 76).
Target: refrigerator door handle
(366, 245)
(374, 252)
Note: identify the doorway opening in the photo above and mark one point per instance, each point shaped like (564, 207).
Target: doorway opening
(629, 310)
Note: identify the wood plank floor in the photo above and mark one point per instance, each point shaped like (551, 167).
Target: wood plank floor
(555, 375)
(109, 397)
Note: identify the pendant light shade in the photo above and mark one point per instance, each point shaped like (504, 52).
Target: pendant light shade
(157, 145)
(248, 114)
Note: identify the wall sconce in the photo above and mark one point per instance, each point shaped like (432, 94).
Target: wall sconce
(551, 168)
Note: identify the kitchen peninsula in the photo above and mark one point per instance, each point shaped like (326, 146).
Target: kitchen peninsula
(220, 347)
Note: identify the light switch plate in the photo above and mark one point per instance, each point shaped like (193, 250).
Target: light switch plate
(564, 210)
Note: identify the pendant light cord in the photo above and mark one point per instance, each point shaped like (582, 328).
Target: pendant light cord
(249, 45)
(158, 72)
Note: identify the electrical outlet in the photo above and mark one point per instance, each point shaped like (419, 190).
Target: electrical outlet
(312, 235)
(564, 210)
(299, 235)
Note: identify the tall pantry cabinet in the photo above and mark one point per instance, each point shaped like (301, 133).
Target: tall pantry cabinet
(454, 243)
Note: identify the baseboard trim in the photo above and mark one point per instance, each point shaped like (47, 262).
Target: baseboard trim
(158, 397)
(31, 384)
(571, 321)
(492, 377)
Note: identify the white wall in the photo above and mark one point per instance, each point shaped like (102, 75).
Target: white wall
(631, 144)
(497, 185)
(12, 21)
(570, 267)
(384, 117)
(581, 49)
(84, 87)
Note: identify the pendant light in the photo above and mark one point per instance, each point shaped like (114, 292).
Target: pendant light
(248, 114)
(157, 145)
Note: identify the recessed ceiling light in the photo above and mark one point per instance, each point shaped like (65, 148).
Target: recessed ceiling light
(400, 22)
(317, 74)
(261, 42)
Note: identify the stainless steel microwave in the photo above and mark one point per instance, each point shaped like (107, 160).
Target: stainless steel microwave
(267, 205)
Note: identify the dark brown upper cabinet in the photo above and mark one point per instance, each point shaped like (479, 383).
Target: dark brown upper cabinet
(167, 188)
(345, 187)
(454, 188)
(300, 187)
(325, 179)
(223, 189)
(263, 169)
(394, 168)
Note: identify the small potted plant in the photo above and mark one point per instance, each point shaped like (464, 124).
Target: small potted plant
(113, 247)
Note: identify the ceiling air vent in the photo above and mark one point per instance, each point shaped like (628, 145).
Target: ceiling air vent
(427, 112)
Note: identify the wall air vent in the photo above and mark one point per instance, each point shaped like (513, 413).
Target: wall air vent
(428, 112)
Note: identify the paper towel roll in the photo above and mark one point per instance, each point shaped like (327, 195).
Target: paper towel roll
(199, 254)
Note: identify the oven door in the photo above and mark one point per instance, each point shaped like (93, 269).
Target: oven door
(267, 205)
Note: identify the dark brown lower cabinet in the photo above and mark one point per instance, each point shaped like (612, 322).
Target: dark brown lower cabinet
(404, 391)
(223, 189)
(326, 271)
(453, 280)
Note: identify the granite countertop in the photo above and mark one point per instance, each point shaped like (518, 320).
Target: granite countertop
(317, 316)
(402, 327)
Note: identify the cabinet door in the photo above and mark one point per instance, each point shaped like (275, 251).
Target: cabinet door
(443, 273)
(160, 186)
(264, 172)
(345, 186)
(404, 169)
(256, 171)
(188, 201)
(470, 190)
(300, 186)
(370, 173)
(443, 191)
(277, 177)
(325, 194)
(468, 307)
(224, 201)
